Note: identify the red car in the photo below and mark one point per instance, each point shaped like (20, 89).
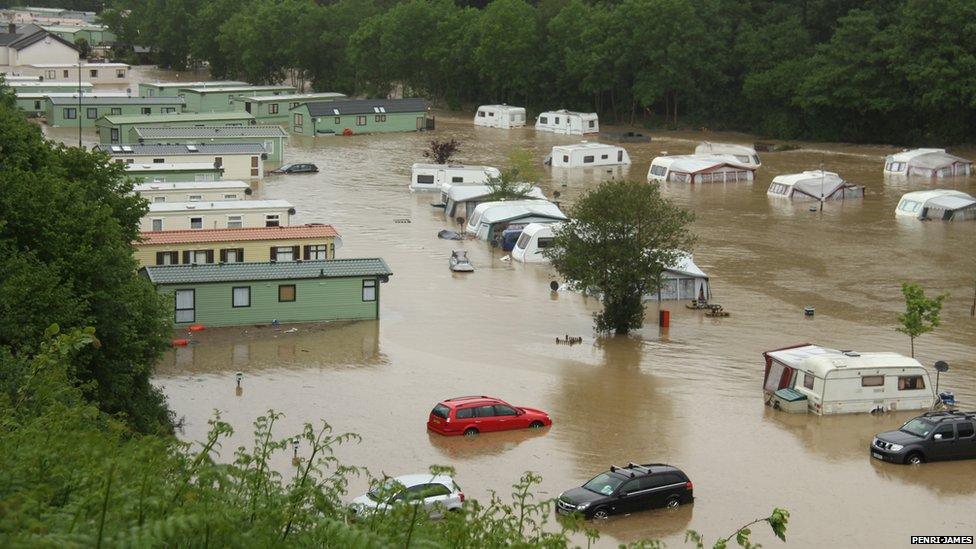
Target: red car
(471, 415)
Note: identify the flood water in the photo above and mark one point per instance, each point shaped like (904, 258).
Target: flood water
(689, 395)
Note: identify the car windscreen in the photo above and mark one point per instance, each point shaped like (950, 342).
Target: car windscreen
(918, 427)
(604, 484)
(384, 490)
(441, 411)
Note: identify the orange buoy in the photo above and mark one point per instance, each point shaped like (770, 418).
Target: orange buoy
(181, 342)
(347, 132)
(197, 328)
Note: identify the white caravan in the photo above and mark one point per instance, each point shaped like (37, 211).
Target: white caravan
(844, 382)
(222, 214)
(535, 238)
(193, 191)
(944, 204)
(568, 122)
(813, 185)
(432, 177)
(585, 154)
(500, 116)
(461, 200)
(490, 219)
(743, 153)
(927, 163)
(699, 168)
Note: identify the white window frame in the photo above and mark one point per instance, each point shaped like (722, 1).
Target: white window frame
(245, 297)
(235, 221)
(152, 223)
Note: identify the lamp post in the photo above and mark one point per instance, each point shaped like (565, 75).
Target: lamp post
(79, 103)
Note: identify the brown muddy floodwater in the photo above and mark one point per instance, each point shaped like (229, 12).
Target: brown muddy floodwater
(689, 395)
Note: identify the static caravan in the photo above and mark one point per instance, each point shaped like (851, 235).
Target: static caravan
(45, 86)
(814, 185)
(193, 191)
(120, 130)
(273, 109)
(695, 168)
(500, 116)
(944, 204)
(187, 171)
(432, 177)
(272, 137)
(460, 200)
(223, 98)
(36, 104)
(358, 116)
(490, 219)
(239, 160)
(584, 154)
(568, 122)
(535, 238)
(172, 89)
(65, 111)
(927, 163)
(224, 214)
(745, 154)
(683, 281)
(94, 73)
(843, 382)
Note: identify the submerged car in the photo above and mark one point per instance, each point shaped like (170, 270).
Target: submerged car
(624, 490)
(471, 415)
(933, 436)
(297, 168)
(437, 493)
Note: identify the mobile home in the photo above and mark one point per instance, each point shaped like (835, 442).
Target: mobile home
(36, 104)
(844, 382)
(45, 86)
(186, 171)
(224, 214)
(223, 99)
(944, 204)
(94, 73)
(460, 200)
(172, 89)
(193, 191)
(745, 154)
(239, 160)
(814, 185)
(273, 109)
(490, 219)
(535, 238)
(118, 130)
(682, 281)
(272, 137)
(585, 154)
(500, 116)
(927, 163)
(568, 122)
(64, 111)
(699, 169)
(355, 116)
(432, 177)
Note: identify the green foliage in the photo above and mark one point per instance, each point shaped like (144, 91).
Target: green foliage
(517, 180)
(777, 522)
(921, 314)
(619, 238)
(84, 48)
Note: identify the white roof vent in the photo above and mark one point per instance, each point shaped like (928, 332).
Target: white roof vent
(116, 148)
(335, 111)
(126, 148)
(382, 109)
(192, 148)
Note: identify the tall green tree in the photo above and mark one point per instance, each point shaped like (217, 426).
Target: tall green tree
(508, 38)
(620, 237)
(922, 314)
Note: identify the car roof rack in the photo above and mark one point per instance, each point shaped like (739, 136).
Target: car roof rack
(640, 468)
(469, 397)
(946, 414)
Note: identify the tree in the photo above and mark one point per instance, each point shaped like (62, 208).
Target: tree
(620, 237)
(507, 38)
(517, 180)
(84, 48)
(921, 314)
(442, 151)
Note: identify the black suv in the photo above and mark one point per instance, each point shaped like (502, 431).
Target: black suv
(929, 437)
(623, 490)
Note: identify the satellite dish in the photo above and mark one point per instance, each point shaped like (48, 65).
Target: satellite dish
(554, 286)
(941, 366)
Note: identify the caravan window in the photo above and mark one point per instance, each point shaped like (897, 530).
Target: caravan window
(425, 179)
(603, 157)
(872, 381)
(543, 120)
(588, 159)
(896, 166)
(457, 180)
(592, 123)
(658, 170)
(546, 242)
(491, 113)
(565, 159)
(523, 240)
(808, 381)
(555, 120)
(678, 177)
(742, 158)
(909, 206)
(910, 383)
(481, 114)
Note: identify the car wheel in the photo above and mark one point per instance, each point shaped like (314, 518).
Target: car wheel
(470, 432)
(535, 425)
(915, 458)
(673, 502)
(601, 513)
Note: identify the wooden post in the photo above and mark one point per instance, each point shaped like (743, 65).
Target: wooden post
(972, 310)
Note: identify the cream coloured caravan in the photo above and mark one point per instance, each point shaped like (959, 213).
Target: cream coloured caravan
(500, 116)
(568, 122)
(225, 214)
(193, 191)
(434, 177)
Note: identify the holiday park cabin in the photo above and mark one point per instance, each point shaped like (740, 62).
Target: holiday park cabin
(272, 137)
(355, 116)
(568, 122)
(586, 154)
(193, 191)
(64, 111)
(225, 214)
(172, 89)
(274, 109)
(239, 160)
(119, 130)
(225, 98)
(185, 171)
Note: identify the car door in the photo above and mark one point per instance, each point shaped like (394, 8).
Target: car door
(630, 497)
(436, 498)
(464, 418)
(965, 440)
(484, 418)
(664, 487)
(507, 418)
(943, 442)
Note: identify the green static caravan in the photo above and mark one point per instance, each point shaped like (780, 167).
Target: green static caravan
(354, 116)
(273, 109)
(174, 172)
(222, 98)
(35, 104)
(43, 86)
(272, 137)
(172, 89)
(68, 111)
(95, 35)
(236, 294)
(118, 130)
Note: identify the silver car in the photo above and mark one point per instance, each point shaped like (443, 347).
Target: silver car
(437, 493)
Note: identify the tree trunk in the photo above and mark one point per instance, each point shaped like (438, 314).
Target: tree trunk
(674, 102)
(912, 339)
(613, 105)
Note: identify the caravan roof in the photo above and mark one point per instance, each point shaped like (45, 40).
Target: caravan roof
(820, 361)
(706, 147)
(461, 193)
(487, 169)
(502, 108)
(812, 182)
(496, 212)
(694, 163)
(190, 185)
(160, 207)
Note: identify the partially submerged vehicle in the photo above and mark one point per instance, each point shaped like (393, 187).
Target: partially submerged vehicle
(927, 163)
(809, 378)
(568, 122)
(460, 263)
(490, 219)
(461, 200)
(743, 153)
(432, 177)
(698, 168)
(944, 204)
(584, 154)
(813, 185)
(500, 116)
(535, 238)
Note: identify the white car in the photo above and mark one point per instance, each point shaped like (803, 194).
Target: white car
(437, 493)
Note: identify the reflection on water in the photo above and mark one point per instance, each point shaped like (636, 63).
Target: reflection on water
(689, 395)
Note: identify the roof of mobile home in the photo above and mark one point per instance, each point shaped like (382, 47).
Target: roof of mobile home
(127, 100)
(460, 193)
(707, 147)
(236, 89)
(584, 145)
(694, 163)
(173, 167)
(927, 158)
(947, 199)
(812, 182)
(366, 106)
(575, 113)
(422, 166)
(303, 97)
(208, 132)
(272, 270)
(177, 117)
(219, 83)
(43, 95)
(496, 212)
(502, 107)
(17, 85)
(205, 206)
(189, 236)
(820, 361)
(75, 65)
(191, 185)
(181, 149)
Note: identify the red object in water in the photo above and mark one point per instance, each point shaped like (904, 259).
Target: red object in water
(181, 342)
(197, 328)
(347, 132)
(664, 318)
(482, 414)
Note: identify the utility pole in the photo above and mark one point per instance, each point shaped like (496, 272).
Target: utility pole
(79, 102)
(972, 310)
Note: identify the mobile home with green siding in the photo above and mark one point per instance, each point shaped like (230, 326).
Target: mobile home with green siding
(273, 109)
(272, 137)
(173, 172)
(222, 98)
(42, 86)
(118, 130)
(36, 103)
(64, 111)
(172, 89)
(236, 294)
(354, 116)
